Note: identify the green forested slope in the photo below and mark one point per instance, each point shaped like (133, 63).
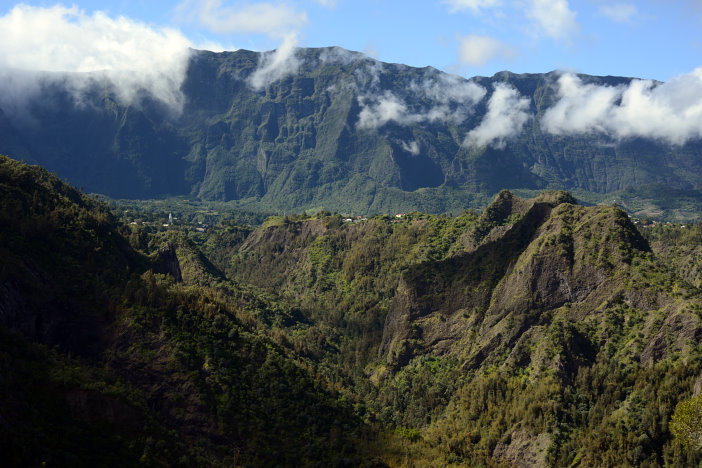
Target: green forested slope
(536, 333)
(105, 362)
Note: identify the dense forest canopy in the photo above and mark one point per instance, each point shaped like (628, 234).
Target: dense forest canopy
(537, 332)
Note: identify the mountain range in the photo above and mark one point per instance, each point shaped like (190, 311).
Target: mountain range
(538, 331)
(336, 130)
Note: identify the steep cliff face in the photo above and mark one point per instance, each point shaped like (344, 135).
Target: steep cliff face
(167, 262)
(548, 298)
(499, 284)
(555, 257)
(317, 136)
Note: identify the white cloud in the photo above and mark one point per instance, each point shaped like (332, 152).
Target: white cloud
(670, 111)
(619, 12)
(382, 110)
(474, 5)
(369, 74)
(327, 3)
(506, 115)
(277, 21)
(277, 64)
(444, 89)
(130, 54)
(581, 108)
(339, 55)
(478, 50)
(553, 18)
(441, 97)
(411, 147)
(274, 20)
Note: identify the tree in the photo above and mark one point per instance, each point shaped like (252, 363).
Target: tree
(686, 422)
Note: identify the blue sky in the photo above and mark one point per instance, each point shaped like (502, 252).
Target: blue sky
(649, 39)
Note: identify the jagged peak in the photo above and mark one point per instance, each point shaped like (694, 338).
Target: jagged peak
(556, 197)
(508, 204)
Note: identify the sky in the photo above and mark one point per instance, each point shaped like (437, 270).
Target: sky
(145, 45)
(655, 39)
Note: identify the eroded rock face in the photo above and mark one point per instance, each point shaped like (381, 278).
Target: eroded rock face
(434, 300)
(538, 256)
(286, 235)
(523, 450)
(679, 330)
(167, 262)
(550, 290)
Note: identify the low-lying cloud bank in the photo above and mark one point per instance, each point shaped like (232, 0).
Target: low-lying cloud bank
(670, 111)
(444, 98)
(81, 48)
(131, 55)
